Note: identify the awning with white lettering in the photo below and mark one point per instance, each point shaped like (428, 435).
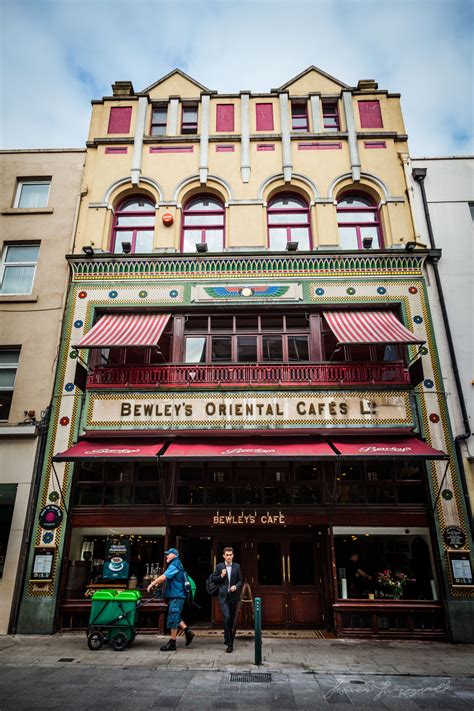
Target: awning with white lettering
(248, 449)
(111, 449)
(369, 327)
(386, 448)
(125, 330)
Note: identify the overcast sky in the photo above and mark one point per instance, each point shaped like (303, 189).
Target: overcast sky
(57, 55)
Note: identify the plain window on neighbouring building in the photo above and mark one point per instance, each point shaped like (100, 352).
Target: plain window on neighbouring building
(158, 121)
(32, 193)
(264, 117)
(8, 366)
(17, 268)
(7, 504)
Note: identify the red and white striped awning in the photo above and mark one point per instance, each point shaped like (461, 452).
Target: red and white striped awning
(368, 327)
(125, 330)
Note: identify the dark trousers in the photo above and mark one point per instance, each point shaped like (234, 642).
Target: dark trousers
(228, 611)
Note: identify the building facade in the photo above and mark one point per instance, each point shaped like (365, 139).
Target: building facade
(39, 200)
(443, 195)
(249, 300)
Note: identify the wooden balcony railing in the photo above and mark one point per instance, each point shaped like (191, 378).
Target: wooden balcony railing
(249, 374)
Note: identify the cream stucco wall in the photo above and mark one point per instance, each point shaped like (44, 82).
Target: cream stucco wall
(33, 322)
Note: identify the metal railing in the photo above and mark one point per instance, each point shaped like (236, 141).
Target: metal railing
(248, 374)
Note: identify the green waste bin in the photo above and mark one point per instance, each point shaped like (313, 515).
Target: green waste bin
(113, 618)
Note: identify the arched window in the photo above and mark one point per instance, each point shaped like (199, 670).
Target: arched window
(358, 220)
(134, 226)
(288, 221)
(203, 223)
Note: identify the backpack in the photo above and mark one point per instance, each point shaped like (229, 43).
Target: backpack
(189, 588)
(212, 587)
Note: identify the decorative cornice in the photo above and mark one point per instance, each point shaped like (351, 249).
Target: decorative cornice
(106, 266)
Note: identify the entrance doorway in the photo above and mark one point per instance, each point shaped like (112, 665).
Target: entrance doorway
(286, 573)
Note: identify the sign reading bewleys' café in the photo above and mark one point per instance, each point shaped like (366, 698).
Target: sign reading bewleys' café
(258, 410)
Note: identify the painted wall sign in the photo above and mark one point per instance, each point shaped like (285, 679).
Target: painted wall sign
(255, 410)
(247, 292)
(248, 519)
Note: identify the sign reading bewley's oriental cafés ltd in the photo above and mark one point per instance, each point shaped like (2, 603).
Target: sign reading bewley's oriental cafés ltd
(258, 410)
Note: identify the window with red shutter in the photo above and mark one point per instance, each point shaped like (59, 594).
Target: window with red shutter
(264, 117)
(119, 119)
(225, 117)
(370, 114)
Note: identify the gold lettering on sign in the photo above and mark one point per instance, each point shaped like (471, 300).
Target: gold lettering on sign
(248, 519)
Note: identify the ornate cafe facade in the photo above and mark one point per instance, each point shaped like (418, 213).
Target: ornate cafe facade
(248, 359)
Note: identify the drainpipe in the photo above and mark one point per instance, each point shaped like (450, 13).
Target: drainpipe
(419, 174)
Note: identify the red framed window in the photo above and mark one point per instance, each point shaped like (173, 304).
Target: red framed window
(119, 119)
(264, 117)
(299, 116)
(330, 115)
(158, 120)
(288, 221)
(134, 224)
(358, 221)
(203, 222)
(225, 117)
(370, 114)
(189, 119)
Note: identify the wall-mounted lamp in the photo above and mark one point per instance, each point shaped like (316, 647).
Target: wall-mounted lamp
(367, 242)
(88, 250)
(201, 247)
(292, 246)
(126, 247)
(411, 246)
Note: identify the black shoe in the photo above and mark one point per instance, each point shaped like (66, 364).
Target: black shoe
(189, 634)
(170, 646)
(229, 649)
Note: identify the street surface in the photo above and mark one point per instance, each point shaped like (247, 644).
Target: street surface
(60, 672)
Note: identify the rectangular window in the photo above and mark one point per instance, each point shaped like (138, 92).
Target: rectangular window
(370, 114)
(17, 269)
(119, 119)
(32, 193)
(225, 117)
(7, 504)
(189, 119)
(158, 121)
(264, 116)
(299, 116)
(330, 115)
(8, 367)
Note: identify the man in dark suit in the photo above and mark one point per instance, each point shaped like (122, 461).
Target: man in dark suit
(229, 578)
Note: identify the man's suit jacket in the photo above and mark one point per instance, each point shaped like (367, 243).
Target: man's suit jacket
(224, 583)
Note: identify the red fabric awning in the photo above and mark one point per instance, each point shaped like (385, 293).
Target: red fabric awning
(368, 327)
(122, 330)
(107, 449)
(247, 449)
(386, 448)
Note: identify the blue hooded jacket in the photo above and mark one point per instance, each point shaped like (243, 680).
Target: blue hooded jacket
(174, 574)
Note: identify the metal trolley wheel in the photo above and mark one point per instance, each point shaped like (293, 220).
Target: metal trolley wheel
(120, 642)
(95, 640)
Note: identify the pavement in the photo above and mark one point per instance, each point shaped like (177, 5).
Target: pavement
(60, 672)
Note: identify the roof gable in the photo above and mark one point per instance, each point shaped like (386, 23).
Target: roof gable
(313, 79)
(172, 81)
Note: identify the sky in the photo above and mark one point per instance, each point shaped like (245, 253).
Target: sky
(57, 55)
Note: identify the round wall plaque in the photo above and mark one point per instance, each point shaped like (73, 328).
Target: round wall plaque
(50, 517)
(454, 537)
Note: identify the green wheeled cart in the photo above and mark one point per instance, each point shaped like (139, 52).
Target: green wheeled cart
(113, 619)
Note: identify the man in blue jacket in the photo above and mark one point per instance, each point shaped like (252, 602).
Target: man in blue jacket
(174, 592)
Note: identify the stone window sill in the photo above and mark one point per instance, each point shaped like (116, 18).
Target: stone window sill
(27, 211)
